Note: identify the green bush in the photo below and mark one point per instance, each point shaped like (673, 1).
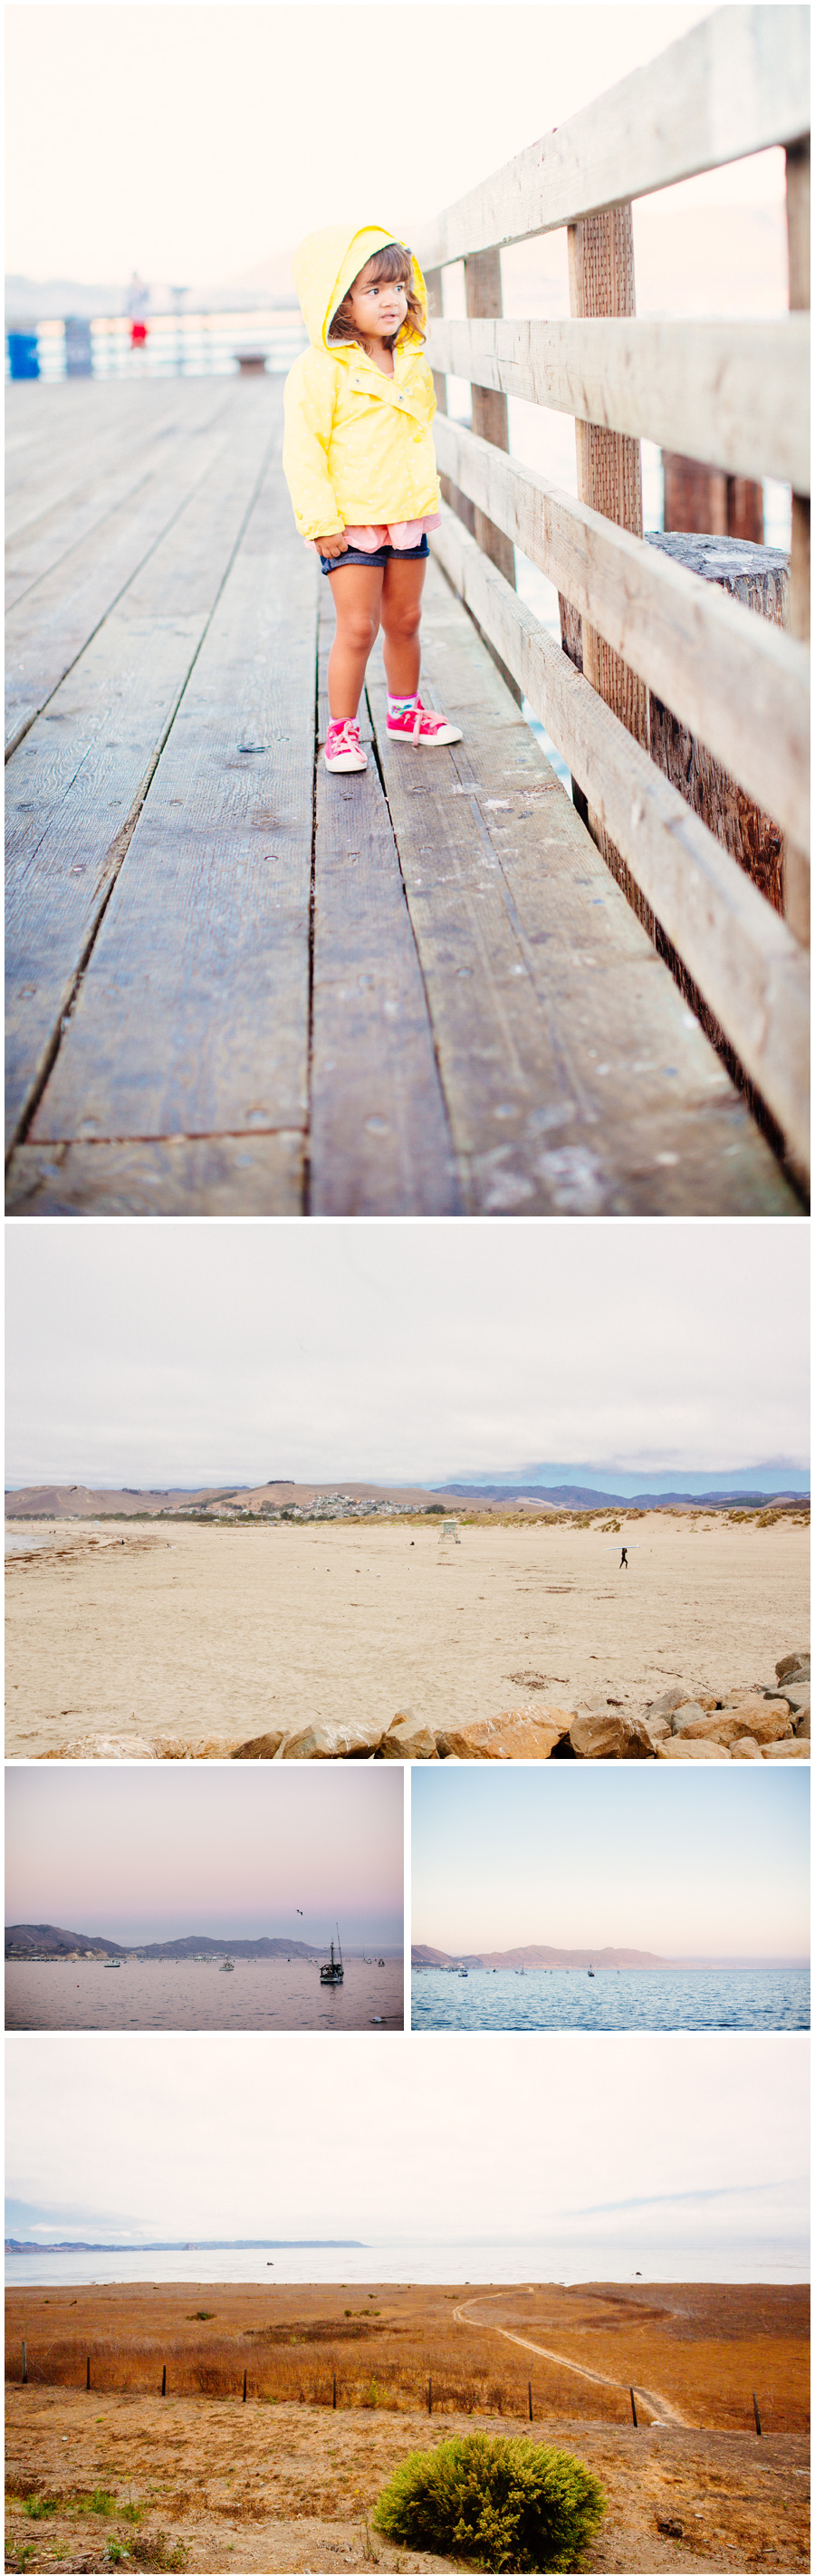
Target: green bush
(493, 2502)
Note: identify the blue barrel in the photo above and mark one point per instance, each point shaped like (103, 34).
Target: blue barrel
(78, 346)
(23, 355)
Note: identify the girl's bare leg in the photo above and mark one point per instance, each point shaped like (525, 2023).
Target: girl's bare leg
(400, 613)
(356, 592)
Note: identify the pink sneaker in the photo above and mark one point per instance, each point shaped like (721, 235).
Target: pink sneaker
(343, 749)
(420, 725)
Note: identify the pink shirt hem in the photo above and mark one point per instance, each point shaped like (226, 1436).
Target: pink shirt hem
(399, 533)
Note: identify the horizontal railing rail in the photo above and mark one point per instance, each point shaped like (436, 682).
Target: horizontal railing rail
(733, 395)
(737, 84)
(737, 681)
(746, 962)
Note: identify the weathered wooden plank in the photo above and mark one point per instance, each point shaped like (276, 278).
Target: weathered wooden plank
(78, 780)
(53, 457)
(735, 394)
(796, 871)
(609, 473)
(738, 683)
(202, 1176)
(734, 85)
(51, 627)
(576, 1079)
(192, 1017)
(741, 955)
(380, 1143)
(104, 480)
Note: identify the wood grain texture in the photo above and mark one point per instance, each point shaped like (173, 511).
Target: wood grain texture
(734, 85)
(742, 957)
(108, 479)
(609, 476)
(54, 622)
(759, 576)
(577, 1081)
(796, 859)
(736, 681)
(192, 1017)
(77, 782)
(202, 1176)
(379, 1137)
(735, 394)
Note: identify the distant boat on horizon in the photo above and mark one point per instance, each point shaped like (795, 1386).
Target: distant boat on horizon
(227, 1967)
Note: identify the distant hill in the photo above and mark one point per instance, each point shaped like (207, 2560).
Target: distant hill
(29, 1939)
(536, 1955)
(593, 1498)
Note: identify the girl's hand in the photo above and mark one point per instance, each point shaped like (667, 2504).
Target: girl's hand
(336, 545)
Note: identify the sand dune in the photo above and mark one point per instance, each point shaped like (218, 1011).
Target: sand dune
(213, 1635)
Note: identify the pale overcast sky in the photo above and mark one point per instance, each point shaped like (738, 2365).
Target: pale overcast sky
(661, 2142)
(619, 1855)
(154, 1852)
(191, 1353)
(195, 142)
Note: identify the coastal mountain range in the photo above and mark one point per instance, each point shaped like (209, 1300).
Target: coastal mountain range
(540, 1485)
(29, 1940)
(537, 1954)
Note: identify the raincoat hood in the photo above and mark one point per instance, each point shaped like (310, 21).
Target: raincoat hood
(325, 266)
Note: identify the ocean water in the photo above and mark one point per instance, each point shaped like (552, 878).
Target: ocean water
(184, 1994)
(613, 1999)
(563, 2253)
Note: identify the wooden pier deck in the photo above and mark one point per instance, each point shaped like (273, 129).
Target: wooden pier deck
(237, 985)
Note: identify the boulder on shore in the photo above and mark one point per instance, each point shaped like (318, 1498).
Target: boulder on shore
(694, 1748)
(791, 1664)
(745, 1749)
(608, 1735)
(517, 1735)
(766, 1719)
(260, 1748)
(795, 1746)
(409, 1739)
(323, 1739)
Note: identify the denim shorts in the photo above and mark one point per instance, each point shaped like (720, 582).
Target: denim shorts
(382, 556)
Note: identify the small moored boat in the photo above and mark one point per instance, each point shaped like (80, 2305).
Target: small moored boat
(332, 1970)
(227, 1967)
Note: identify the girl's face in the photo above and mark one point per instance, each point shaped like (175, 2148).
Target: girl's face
(377, 312)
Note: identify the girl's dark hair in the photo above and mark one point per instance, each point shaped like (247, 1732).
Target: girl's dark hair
(392, 263)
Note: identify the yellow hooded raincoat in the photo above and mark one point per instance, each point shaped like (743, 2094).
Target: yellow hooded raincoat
(357, 449)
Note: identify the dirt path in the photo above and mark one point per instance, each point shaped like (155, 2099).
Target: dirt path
(660, 2408)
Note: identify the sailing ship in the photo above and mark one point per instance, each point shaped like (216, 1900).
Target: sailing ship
(227, 1967)
(332, 1970)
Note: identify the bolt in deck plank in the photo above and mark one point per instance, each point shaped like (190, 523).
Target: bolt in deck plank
(192, 1017)
(576, 1079)
(77, 780)
(380, 1142)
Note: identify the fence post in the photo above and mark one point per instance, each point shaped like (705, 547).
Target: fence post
(633, 2407)
(756, 2412)
(609, 479)
(529, 2386)
(334, 2397)
(25, 2366)
(796, 867)
(164, 2380)
(244, 2388)
(88, 2372)
(450, 493)
(430, 2397)
(485, 303)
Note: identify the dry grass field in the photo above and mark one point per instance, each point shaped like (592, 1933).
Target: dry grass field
(204, 1637)
(196, 2480)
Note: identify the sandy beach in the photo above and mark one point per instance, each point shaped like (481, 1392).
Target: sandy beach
(206, 1637)
(288, 2483)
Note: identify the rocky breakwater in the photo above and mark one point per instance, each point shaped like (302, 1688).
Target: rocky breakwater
(769, 1722)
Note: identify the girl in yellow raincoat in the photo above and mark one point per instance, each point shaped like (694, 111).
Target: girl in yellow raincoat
(360, 464)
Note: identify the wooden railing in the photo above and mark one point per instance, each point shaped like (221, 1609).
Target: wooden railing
(733, 395)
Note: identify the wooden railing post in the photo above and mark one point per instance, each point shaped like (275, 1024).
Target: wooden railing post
(609, 479)
(796, 867)
(449, 491)
(485, 303)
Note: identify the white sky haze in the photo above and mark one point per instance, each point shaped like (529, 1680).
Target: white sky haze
(187, 1352)
(694, 1863)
